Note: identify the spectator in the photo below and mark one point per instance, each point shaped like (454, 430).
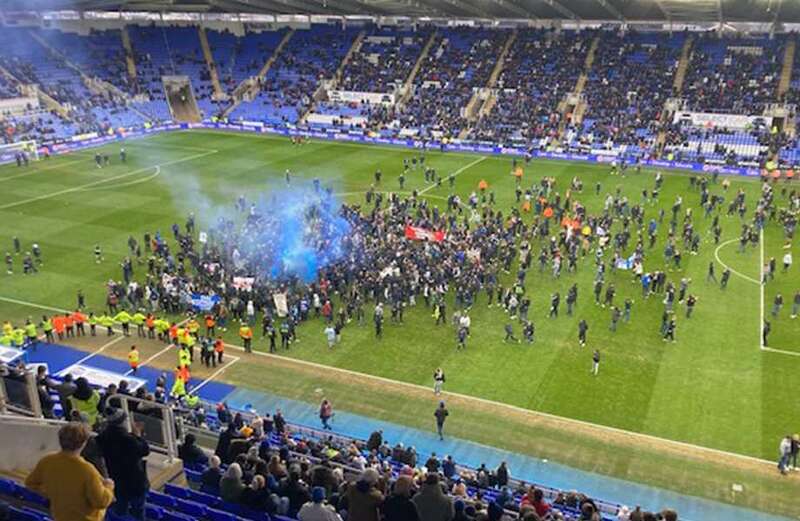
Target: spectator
(317, 509)
(431, 501)
(295, 490)
(363, 498)
(191, 454)
(211, 477)
(125, 455)
(398, 506)
(231, 486)
(65, 390)
(256, 497)
(76, 490)
(86, 400)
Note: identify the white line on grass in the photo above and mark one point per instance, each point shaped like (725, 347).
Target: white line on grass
(127, 183)
(101, 181)
(43, 169)
(716, 256)
(100, 350)
(501, 405)
(215, 374)
(761, 290)
(456, 173)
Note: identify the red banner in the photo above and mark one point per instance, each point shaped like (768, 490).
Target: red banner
(416, 233)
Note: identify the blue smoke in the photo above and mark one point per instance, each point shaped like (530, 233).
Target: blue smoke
(300, 231)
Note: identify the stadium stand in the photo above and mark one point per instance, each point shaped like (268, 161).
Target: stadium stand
(542, 68)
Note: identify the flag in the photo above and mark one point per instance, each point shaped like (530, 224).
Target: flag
(421, 234)
(280, 304)
(626, 264)
(245, 283)
(203, 302)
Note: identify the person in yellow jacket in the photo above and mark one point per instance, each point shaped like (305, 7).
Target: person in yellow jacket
(76, 490)
(8, 329)
(189, 343)
(107, 322)
(246, 334)
(30, 334)
(85, 400)
(193, 326)
(162, 327)
(92, 324)
(18, 336)
(124, 318)
(179, 386)
(138, 320)
(133, 359)
(184, 358)
(47, 327)
(5, 340)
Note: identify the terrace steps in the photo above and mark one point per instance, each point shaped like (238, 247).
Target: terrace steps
(408, 86)
(587, 66)
(786, 69)
(212, 67)
(683, 65)
(251, 85)
(126, 44)
(563, 106)
(491, 98)
(359, 40)
(480, 97)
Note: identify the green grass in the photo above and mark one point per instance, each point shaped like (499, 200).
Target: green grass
(714, 387)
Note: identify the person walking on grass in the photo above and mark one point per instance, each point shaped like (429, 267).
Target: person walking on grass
(330, 335)
(441, 415)
(438, 381)
(784, 453)
(596, 362)
(325, 414)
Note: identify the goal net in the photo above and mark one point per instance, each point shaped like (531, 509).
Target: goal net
(10, 152)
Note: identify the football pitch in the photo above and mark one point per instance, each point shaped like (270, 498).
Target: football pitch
(714, 387)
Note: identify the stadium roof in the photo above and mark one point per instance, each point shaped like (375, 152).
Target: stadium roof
(584, 10)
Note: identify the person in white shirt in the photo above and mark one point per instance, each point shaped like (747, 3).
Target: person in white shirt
(787, 261)
(438, 381)
(317, 509)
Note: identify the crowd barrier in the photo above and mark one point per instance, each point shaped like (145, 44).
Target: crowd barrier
(359, 137)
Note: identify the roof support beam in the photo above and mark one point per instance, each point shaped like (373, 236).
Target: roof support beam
(561, 9)
(661, 8)
(720, 17)
(611, 9)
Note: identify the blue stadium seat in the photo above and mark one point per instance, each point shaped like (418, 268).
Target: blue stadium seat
(19, 514)
(190, 508)
(161, 500)
(176, 491)
(153, 512)
(30, 496)
(8, 487)
(193, 476)
(219, 515)
(174, 516)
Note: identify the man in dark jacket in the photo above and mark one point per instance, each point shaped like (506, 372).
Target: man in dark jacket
(398, 506)
(125, 455)
(190, 453)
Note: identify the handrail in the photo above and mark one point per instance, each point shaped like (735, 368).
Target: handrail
(168, 431)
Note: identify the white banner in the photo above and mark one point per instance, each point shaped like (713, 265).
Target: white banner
(729, 121)
(328, 119)
(245, 283)
(373, 98)
(280, 304)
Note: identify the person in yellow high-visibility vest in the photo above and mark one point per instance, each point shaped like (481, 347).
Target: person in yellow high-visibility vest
(179, 386)
(184, 359)
(246, 334)
(190, 342)
(133, 359)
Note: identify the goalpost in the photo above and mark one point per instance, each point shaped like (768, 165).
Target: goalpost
(9, 152)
